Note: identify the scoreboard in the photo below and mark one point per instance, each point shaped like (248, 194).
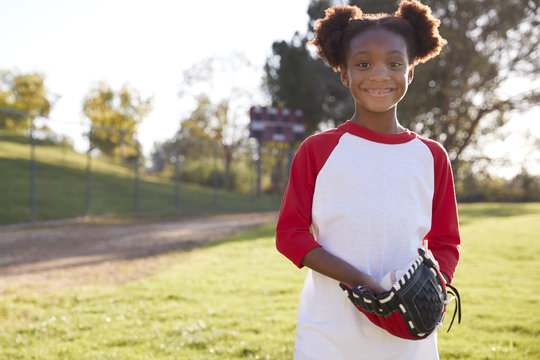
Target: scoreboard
(275, 124)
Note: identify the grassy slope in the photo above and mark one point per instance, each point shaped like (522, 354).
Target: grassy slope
(61, 187)
(237, 299)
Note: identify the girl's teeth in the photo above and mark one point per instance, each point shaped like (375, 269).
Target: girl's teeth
(379, 92)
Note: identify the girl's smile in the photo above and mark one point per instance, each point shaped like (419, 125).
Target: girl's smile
(379, 92)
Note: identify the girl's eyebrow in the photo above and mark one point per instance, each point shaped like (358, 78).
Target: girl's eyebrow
(391, 52)
(396, 52)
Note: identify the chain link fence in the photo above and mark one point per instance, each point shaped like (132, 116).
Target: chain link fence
(43, 178)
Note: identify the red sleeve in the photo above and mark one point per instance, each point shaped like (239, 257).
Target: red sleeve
(443, 237)
(293, 236)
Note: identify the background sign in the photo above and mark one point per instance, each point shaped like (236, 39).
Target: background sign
(274, 124)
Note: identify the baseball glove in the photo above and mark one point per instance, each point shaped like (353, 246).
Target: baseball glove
(415, 306)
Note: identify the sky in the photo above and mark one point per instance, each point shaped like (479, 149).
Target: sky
(148, 44)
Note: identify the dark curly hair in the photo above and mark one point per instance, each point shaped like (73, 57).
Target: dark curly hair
(412, 20)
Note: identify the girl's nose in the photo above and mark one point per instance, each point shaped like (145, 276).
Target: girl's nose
(379, 73)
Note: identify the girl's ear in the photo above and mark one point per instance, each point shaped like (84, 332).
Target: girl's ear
(411, 74)
(344, 77)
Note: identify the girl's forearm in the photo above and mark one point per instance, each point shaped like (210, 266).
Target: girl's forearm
(332, 266)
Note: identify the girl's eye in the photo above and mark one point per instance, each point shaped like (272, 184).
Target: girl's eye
(395, 64)
(363, 64)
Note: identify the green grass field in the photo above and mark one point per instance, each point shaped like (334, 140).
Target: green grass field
(61, 188)
(237, 299)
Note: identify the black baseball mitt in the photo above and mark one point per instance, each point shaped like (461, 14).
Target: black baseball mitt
(415, 305)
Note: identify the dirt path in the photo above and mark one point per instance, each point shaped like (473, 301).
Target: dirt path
(46, 259)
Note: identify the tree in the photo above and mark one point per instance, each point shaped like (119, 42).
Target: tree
(295, 79)
(457, 96)
(453, 97)
(115, 116)
(210, 125)
(219, 114)
(23, 92)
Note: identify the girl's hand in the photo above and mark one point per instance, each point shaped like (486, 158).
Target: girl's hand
(374, 286)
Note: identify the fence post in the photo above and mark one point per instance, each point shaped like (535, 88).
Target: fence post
(252, 179)
(215, 178)
(33, 202)
(177, 175)
(259, 170)
(136, 200)
(88, 199)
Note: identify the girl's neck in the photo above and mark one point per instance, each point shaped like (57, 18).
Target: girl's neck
(384, 123)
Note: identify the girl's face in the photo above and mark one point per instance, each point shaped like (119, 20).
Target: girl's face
(378, 71)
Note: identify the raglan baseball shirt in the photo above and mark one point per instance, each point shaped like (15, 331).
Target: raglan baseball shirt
(370, 199)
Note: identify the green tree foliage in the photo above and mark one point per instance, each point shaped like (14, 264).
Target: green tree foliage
(23, 92)
(209, 121)
(211, 126)
(215, 126)
(219, 102)
(453, 97)
(480, 186)
(295, 79)
(457, 96)
(214, 133)
(115, 116)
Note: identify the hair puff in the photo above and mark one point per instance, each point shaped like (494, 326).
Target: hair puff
(330, 31)
(429, 42)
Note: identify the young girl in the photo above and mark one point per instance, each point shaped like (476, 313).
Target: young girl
(371, 190)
